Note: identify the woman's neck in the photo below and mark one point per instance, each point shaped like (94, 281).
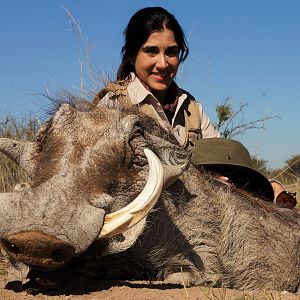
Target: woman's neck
(159, 95)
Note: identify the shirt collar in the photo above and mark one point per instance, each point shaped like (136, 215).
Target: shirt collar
(136, 90)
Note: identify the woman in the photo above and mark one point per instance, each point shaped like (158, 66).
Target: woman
(154, 47)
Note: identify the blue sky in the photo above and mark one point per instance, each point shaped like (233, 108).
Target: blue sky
(246, 50)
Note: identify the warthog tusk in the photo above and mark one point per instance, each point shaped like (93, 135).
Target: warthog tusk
(134, 212)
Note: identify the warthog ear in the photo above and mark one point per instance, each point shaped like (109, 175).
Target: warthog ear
(22, 153)
(129, 122)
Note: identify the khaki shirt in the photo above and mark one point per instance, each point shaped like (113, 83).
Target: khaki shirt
(189, 122)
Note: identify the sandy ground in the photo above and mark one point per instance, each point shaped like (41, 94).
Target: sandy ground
(136, 290)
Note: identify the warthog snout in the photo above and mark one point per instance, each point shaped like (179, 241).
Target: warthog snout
(36, 248)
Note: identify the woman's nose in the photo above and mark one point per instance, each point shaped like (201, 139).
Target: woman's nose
(162, 61)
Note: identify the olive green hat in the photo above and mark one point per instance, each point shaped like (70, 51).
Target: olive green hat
(230, 158)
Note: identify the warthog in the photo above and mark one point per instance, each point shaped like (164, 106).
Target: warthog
(95, 175)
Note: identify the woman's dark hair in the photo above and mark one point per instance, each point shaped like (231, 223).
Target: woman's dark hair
(140, 26)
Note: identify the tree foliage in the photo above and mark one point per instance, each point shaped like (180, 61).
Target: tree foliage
(260, 165)
(231, 122)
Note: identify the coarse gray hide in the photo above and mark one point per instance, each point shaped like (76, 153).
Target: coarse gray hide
(89, 161)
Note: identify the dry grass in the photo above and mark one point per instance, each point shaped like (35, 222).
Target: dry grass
(288, 175)
(225, 293)
(294, 187)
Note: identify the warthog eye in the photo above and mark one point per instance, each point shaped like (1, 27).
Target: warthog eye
(11, 247)
(138, 143)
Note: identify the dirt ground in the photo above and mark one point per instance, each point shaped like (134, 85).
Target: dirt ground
(84, 289)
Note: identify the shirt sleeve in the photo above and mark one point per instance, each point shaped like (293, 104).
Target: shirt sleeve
(207, 129)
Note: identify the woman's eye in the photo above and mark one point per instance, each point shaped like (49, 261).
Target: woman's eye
(172, 51)
(154, 50)
(150, 50)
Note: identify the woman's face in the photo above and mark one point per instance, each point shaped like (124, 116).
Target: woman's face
(157, 62)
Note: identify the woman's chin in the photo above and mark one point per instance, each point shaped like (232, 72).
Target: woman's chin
(159, 87)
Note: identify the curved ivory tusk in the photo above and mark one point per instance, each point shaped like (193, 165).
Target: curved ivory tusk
(134, 212)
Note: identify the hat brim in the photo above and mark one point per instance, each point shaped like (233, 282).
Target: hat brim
(245, 178)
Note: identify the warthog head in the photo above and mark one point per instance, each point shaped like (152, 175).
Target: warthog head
(82, 164)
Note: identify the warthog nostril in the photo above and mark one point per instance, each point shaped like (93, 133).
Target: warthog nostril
(59, 255)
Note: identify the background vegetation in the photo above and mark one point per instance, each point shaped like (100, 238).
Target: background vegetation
(231, 123)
